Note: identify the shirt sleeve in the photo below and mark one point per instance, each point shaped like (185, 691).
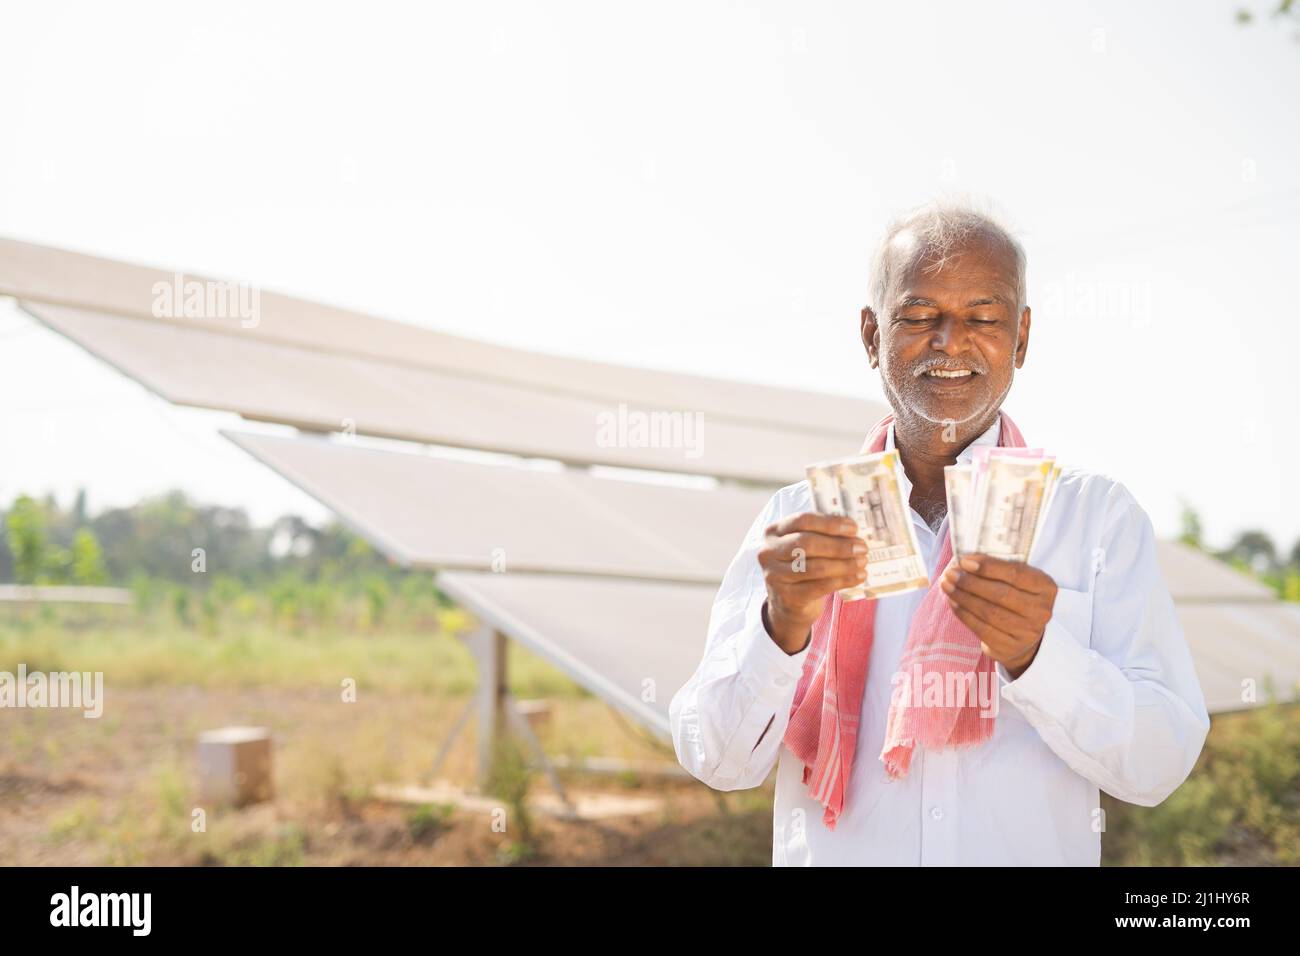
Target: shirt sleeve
(1113, 690)
(728, 720)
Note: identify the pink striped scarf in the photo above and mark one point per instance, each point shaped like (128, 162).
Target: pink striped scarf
(823, 729)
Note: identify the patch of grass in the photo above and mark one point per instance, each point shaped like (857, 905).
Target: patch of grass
(514, 852)
(169, 806)
(19, 741)
(286, 847)
(428, 820)
(150, 649)
(79, 822)
(511, 780)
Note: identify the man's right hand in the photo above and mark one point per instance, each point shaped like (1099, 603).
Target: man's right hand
(804, 558)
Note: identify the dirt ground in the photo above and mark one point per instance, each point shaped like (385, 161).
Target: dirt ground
(122, 789)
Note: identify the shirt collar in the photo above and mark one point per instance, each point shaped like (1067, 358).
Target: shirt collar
(990, 437)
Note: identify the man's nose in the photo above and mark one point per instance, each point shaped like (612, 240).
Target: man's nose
(949, 336)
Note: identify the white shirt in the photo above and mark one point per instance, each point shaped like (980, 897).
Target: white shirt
(1111, 701)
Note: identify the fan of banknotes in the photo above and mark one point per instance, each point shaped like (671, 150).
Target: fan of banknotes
(868, 489)
(996, 506)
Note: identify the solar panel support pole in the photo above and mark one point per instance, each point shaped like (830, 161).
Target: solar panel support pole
(491, 647)
(497, 713)
(488, 650)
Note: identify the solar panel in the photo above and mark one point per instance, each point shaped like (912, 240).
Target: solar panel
(322, 391)
(1194, 576)
(1236, 642)
(435, 513)
(41, 274)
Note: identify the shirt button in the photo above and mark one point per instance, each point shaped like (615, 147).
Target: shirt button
(936, 813)
(781, 681)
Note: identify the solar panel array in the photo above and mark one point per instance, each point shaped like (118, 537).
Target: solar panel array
(609, 579)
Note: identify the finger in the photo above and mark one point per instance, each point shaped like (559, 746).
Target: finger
(1004, 619)
(811, 521)
(814, 544)
(998, 640)
(999, 592)
(1016, 573)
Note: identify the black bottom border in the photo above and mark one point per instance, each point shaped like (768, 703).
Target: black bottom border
(212, 905)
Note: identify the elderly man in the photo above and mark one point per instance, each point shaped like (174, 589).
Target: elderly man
(1094, 684)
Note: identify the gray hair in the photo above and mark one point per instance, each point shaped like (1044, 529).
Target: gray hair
(942, 227)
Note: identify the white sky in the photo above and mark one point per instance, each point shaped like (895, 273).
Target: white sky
(691, 186)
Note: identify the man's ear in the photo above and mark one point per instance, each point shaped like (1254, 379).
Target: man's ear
(1022, 338)
(871, 335)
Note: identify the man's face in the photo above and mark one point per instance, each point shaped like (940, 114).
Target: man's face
(950, 339)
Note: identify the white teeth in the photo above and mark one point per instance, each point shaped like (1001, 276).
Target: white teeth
(946, 373)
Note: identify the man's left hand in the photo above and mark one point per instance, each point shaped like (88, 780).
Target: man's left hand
(1006, 603)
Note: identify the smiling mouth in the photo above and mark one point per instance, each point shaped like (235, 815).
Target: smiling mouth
(948, 377)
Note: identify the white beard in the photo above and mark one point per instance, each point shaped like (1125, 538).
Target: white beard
(914, 400)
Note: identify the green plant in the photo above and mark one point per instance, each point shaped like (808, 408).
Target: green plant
(428, 819)
(87, 559)
(25, 524)
(510, 779)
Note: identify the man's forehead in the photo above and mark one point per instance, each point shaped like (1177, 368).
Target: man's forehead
(979, 263)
